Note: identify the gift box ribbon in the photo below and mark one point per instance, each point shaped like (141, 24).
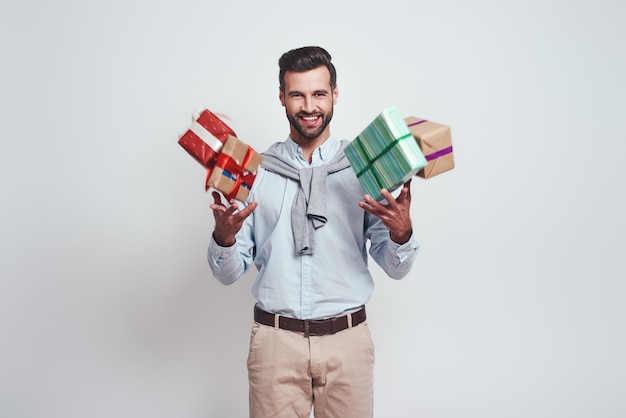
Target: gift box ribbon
(235, 171)
(439, 153)
(204, 134)
(207, 122)
(392, 144)
(417, 123)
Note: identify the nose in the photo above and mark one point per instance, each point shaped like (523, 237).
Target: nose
(309, 105)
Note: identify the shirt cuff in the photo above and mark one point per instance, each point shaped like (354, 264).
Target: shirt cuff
(216, 251)
(403, 250)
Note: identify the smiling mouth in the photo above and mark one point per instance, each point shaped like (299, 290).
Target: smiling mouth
(311, 119)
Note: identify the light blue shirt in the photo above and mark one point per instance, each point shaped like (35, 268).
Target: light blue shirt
(335, 278)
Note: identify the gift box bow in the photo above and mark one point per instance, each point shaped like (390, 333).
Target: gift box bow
(235, 170)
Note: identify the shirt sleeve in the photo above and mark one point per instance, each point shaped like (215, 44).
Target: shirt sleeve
(395, 259)
(224, 262)
(230, 263)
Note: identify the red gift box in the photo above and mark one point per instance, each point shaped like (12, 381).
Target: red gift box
(204, 139)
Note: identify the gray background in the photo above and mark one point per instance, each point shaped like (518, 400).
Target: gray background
(515, 305)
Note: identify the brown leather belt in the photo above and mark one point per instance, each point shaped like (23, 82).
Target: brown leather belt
(315, 327)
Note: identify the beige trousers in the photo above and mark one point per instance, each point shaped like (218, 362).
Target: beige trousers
(289, 374)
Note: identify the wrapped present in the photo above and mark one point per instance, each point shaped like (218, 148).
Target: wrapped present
(231, 165)
(385, 155)
(204, 139)
(235, 169)
(435, 141)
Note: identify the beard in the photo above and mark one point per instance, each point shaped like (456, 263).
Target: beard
(309, 132)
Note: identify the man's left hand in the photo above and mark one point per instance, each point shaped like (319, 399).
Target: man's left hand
(396, 214)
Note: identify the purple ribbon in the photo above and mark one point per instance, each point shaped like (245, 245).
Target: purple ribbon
(417, 123)
(439, 153)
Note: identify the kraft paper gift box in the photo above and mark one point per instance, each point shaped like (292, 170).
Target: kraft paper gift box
(385, 155)
(205, 138)
(235, 169)
(435, 141)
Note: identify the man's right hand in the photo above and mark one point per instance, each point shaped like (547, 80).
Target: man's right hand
(227, 221)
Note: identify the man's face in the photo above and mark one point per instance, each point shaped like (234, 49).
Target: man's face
(308, 102)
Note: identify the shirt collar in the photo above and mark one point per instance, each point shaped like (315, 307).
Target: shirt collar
(321, 155)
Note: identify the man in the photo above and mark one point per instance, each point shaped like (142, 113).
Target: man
(305, 227)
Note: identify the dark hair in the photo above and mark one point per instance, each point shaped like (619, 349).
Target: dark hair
(304, 59)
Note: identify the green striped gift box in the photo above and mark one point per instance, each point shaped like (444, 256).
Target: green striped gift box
(385, 155)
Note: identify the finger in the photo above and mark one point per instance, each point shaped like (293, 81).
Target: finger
(407, 186)
(231, 209)
(215, 207)
(217, 198)
(245, 212)
(387, 196)
(372, 203)
(405, 195)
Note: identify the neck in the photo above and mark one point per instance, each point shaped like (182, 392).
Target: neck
(309, 145)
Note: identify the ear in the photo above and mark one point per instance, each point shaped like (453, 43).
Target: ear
(281, 97)
(335, 94)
